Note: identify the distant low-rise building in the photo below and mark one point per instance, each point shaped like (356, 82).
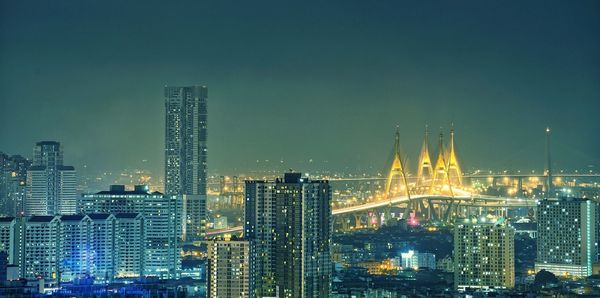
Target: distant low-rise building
(525, 228)
(415, 260)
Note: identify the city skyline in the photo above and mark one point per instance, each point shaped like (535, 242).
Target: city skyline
(514, 82)
(345, 149)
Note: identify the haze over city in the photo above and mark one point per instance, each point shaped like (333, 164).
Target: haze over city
(341, 149)
(326, 82)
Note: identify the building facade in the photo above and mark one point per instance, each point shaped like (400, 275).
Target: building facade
(228, 269)
(42, 248)
(131, 242)
(161, 218)
(69, 247)
(13, 178)
(51, 186)
(186, 154)
(103, 243)
(566, 239)
(415, 260)
(288, 224)
(10, 241)
(484, 255)
(76, 247)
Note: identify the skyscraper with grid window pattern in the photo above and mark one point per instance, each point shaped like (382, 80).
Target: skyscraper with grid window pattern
(186, 154)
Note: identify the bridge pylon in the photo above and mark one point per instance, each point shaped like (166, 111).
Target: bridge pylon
(440, 182)
(397, 171)
(425, 168)
(454, 170)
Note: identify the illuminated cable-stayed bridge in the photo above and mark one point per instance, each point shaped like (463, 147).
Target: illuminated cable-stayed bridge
(436, 193)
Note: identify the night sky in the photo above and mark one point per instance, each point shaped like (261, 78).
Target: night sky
(300, 81)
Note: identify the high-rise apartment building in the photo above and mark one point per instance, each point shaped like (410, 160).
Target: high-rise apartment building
(89, 247)
(43, 248)
(186, 153)
(69, 247)
(13, 177)
(103, 244)
(228, 272)
(77, 251)
(288, 225)
(51, 186)
(566, 240)
(484, 255)
(161, 218)
(9, 238)
(131, 243)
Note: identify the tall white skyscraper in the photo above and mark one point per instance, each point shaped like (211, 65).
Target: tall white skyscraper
(288, 223)
(484, 255)
(51, 186)
(566, 239)
(186, 154)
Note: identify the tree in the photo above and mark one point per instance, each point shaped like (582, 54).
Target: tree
(544, 277)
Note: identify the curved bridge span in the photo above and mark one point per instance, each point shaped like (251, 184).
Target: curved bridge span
(463, 200)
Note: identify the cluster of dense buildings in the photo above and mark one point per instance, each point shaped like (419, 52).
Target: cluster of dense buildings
(42, 186)
(51, 233)
(567, 245)
(481, 253)
(118, 234)
(286, 246)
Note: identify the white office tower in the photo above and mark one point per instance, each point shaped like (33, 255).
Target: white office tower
(484, 255)
(566, 242)
(228, 269)
(51, 186)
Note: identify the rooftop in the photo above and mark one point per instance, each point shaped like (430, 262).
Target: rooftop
(41, 218)
(74, 217)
